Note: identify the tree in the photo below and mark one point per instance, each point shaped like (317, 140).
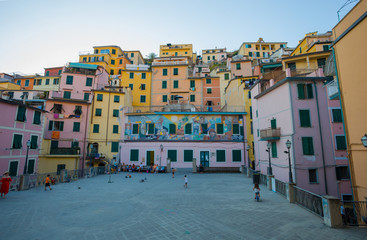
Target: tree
(150, 57)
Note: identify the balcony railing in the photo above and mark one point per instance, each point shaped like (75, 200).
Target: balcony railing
(169, 63)
(332, 89)
(186, 107)
(64, 151)
(270, 134)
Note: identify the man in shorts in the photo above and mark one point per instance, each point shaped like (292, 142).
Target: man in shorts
(47, 182)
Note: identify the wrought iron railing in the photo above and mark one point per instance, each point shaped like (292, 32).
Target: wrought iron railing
(281, 187)
(309, 200)
(355, 213)
(263, 179)
(64, 151)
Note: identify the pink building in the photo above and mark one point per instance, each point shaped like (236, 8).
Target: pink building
(20, 124)
(296, 109)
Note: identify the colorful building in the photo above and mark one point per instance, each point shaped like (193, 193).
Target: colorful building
(349, 53)
(176, 50)
(50, 81)
(214, 55)
(135, 57)
(210, 139)
(260, 49)
(25, 82)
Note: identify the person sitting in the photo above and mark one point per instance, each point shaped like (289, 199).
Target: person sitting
(201, 168)
(133, 168)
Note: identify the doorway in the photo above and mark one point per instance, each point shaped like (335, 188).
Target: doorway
(150, 158)
(204, 158)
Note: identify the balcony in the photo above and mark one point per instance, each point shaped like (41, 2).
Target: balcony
(169, 63)
(269, 134)
(332, 90)
(65, 151)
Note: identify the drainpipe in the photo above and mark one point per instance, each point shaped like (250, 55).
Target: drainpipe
(85, 139)
(321, 139)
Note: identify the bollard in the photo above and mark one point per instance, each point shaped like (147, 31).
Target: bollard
(290, 192)
(269, 182)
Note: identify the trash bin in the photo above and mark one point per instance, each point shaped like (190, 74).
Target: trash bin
(256, 177)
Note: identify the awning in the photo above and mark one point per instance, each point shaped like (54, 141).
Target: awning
(83, 65)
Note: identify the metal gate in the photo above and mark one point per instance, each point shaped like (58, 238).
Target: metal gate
(355, 213)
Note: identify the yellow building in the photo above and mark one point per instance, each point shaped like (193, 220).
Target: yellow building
(106, 125)
(47, 83)
(310, 54)
(139, 81)
(135, 57)
(7, 84)
(260, 49)
(176, 50)
(350, 50)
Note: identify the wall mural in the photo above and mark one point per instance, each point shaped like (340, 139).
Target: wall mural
(203, 127)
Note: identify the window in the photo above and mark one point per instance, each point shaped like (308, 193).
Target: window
(56, 81)
(34, 142)
(175, 83)
(312, 175)
(112, 62)
(47, 81)
(115, 129)
(192, 98)
(172, 154)
(69, 80)
(76, 127)
(164, 84)
(164, 98)
(56, 125)
(95, 128)
(300, 50)
(99, 97)
(188, 155)
(209, 91)
(17, 141)
(86, 96)
(150, 128)
(238, 66)
(321, 62)
(113, 51)
(116, 99)
(89, 82)
(21, 114)
(115, 113)
(221, 155)
(132, 54)
(37, 118)
(192, 83)
(342, 173)
(236, 128)
(208, 81)
(226, 76)
(188, 128)
(305, 91)
(172, 128)
(135, 128)
(142, 86)
(273, 123)
(114, 146)
(242, 131)
(251, 128)
(47, 73)
(143, 76)
(236, 156)
(131, 85)
(164, 71)
(26, 84)
(132, 75)
(175, 71)
(325, 47)
(120, 62)
(307, 146)
(84, 60)
(220, 129)
(67, 94)
(112, 72)
(31, 163)
(250, 112)
(134, 155)
(120, 71)
(257, 54)
(340, 143)
(250, 54)
(274, 152)
(204, 128)
(98, 112)
(292, 66)
(305, 118)
(13, 168)
(142, 98)
(248, 45)
(54, 144)
(337, 115)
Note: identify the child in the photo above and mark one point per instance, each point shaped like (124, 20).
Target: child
(185, 181)
(173, 172)
(5, 184)
(47, 182)
(256, 189)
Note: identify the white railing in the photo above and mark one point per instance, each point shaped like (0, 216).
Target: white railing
(332, 88)
(169, 63)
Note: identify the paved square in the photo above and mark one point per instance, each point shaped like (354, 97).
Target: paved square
(215, 206)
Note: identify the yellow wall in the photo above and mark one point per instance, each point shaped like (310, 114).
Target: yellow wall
(50, 87)
(10, 86)
(258, 47)
(305, 61)
(176, 50)
(137, 81)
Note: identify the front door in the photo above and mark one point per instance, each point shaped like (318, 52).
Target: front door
(150, 158)
(204, 158)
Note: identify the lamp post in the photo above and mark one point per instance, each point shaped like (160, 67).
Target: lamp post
(289, 144)
(160, 158)
(26, 157)
(248, 156)
(270, 170)
(364, 140)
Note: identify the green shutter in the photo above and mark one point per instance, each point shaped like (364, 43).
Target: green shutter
(34, 140)
(192, 98)
(13, 169)
(188, 155)
(273, 123)
(175, 84)
(340, 143)
(134, 155)
(242, 131)
(69, 80)
(67, 94)
(238, 66)
(309, 91)
(30, 169)
(221, 155)
(192, 83)
(236, 156)
(131, 75)
(226, 76)
(307, 145)
(98, 112)
(274, 152)
(96, 128)
(188, 128)
(37, 118)
(164, 71)
(115, 129)
(99, 97)
(172, 154)
(172, 128)
(164, 84)
(143, 75)
(135, 128)
(116, 99)
(301, 91)
(17, 141)
(21, 116)
(150, 128)
(86, 96)
(337, 115)
(115, 113)
(236, 129)
(89, 82)
(250, 111)
(76, 127)
(50, 125)
(164, 98)
(62, 126)
(220, 129)
(114, 146)
(175, 71)
(305, 118)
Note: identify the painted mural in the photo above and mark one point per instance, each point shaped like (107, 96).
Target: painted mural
(184, 127)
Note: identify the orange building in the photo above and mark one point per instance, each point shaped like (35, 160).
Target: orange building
(26, 82)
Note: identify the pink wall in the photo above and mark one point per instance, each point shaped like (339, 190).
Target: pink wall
(246, 68)
(9, 126)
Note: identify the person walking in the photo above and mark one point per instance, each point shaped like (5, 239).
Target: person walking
(185, 177)
(5, 184)
(47, 182)
(256, 189)
(173, 172)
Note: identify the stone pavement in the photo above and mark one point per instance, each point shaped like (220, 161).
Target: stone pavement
(215, 206)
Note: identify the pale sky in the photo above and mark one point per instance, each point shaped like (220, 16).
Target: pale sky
(35, 34)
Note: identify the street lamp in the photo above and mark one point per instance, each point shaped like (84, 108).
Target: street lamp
(160, 158)
(270, 170)
(26, 157)
(248, 156)
(364, 140)
(289, 144)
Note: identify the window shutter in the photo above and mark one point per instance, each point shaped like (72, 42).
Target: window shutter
(301, 91)
(188, 155)
(340, 143)
(221, 155)
(34, 140)
(62, 126)
(273, 124)
(114, 146)
(17, 142)
(115, 128)
(150, 128)
(172, 154)
(337, 115)
(236, 155)
(305, 118)
(236, 129)
(135, 128)
(76, 127)
(188, 128)
(37, 117)
(172, 129)
(21, 114)
(307, 145)
(274, 152)
(50, 125)
(220, 128)
(309, 91)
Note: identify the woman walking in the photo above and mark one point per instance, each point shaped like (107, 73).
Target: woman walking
(5, 184)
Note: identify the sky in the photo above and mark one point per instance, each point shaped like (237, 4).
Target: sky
(35, 34)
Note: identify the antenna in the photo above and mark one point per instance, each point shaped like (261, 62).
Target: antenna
(344, 5)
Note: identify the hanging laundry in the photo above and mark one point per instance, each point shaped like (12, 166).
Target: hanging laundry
(61, 115)
(56, 115)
